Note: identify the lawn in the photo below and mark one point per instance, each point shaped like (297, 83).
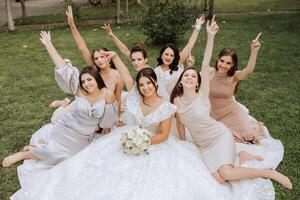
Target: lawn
(108, 10)
(27, 84)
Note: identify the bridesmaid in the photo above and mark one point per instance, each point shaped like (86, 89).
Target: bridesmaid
(170, 60)
(225, 77)
(191, 96)
(92, 108)
(108, 72)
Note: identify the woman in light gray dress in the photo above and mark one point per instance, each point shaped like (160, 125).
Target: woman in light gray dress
(92, 108)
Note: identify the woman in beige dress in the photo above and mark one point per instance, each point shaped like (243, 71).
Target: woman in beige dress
(214, 139)
(224, 80)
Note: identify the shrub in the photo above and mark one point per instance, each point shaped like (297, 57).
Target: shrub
(166, 21)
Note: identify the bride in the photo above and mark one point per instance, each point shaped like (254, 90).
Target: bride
(172, 169)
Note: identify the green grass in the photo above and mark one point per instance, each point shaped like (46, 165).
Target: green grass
(27, 85)
(108, 11)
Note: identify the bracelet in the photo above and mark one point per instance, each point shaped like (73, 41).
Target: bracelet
(198, 27)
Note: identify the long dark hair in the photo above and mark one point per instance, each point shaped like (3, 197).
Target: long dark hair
(94, 72)
(232, 53)
(139, 47)
(112, 65)
(178, 90)
(148, 73)
(174, 65)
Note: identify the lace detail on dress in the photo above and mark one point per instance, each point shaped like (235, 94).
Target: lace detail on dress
(165, 110)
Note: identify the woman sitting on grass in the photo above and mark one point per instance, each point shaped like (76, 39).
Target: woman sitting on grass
(93, 107)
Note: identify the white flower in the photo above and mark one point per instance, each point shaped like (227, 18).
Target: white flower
(128, 143)
(131, 134)
(136, 141)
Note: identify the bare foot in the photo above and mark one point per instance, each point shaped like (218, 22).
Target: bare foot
(244, 156)
(58, 103)
(27, 147)
(12, 159)
(282, 179)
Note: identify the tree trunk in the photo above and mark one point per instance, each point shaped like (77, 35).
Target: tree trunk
(205, 6)
(10, 20)
(210, 8)
(118, 11)
(24, 14)
(126, 8)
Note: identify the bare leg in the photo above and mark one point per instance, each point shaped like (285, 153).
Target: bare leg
(58, 103)
(14, 158)
(230, 173)
(244, 156)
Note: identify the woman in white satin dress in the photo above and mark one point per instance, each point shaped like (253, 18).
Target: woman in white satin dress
(68, 136)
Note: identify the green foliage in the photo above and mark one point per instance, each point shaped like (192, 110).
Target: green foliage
(75, 8)
(271, 93)
(166, 21)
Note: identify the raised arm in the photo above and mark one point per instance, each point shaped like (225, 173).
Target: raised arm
(164, 132)
(189, 46)
(121, 67)
(211, 29)
(118, 92)
(78, 39)
(66, 75)
(255, 45)
(45, 38)
(121, 46)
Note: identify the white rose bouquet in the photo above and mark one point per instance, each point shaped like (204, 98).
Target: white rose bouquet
(136, 141)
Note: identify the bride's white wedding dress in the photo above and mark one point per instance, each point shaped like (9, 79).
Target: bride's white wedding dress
(172, 170)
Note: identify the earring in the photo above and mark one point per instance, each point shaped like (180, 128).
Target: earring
(156, 86)
(197, 87)
(180, 85)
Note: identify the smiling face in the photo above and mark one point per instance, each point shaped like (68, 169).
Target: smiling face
(190, 79)
(88, 82)
(100, 60)
(167, 56)
(146, 87)
(138, 60)
(224, 64)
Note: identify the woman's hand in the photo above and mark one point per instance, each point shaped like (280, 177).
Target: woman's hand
(213, 27)
(109, 55)
(190, 61)
(45, 38)
(69, 14)
(255, 44)
(107, 29)
(199, 21)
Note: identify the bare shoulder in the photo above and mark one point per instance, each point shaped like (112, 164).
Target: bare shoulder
(109, 96)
